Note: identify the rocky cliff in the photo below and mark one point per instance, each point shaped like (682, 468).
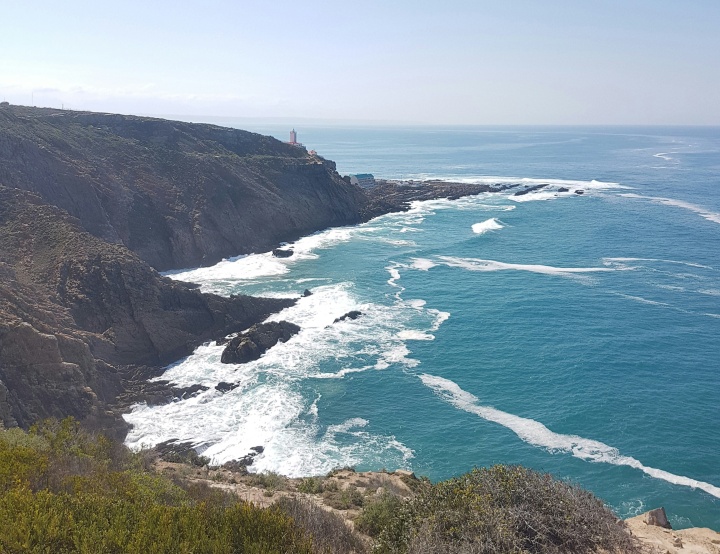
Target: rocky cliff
(90, 204)
(177, 194)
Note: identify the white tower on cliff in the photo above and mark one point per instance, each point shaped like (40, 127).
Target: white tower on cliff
(293, 137)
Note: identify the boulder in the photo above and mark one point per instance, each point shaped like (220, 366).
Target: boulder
(306, 293)
(283, 252)
(353, 314)
(254, 342)
(579, 191)
(657, 517)
(563, 189)
(223, 386)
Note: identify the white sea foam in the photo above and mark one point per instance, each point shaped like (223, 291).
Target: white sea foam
(241, 267)
(475, 264)
(423, 264)
(642, 300)
(612, 261)
(539, 196)
(710, 292)
(528, 181)
(269, 408)
(415, 335)
(662, 155)
(491, 224)
(703, 212)
(536, 434)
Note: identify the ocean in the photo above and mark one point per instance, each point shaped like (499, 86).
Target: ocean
(577, 334)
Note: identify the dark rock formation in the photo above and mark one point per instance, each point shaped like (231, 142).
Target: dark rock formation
(396, 196)
(253, 343)
(223, 386)
(283, 252)
(306, 293)
(579, 191)
(563, 189)
(353, 314)
(529, 190)
(78, 313)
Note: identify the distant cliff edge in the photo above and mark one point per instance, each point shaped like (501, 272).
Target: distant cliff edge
(177, 194)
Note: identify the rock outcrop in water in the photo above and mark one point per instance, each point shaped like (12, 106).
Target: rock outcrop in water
(257, 340)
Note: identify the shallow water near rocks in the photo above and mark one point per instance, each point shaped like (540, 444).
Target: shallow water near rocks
(577, 334)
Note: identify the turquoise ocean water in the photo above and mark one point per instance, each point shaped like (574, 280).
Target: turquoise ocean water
(575, 334)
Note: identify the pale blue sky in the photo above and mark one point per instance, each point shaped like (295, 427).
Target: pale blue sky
(450, 62)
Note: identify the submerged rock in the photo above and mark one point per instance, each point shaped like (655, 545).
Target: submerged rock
(354, 314)
(283, 252)
(253, 343)
(223, 386)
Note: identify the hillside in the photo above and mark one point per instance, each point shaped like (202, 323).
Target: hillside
(91, 205)
(177, 194)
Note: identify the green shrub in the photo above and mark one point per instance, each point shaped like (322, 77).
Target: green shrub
(269, 480)
(65, 490)
(344, 499)
(377, 514)
(503, 509)
(330, 533)
(310, 485)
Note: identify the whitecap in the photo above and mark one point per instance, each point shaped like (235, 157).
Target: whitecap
(423, 264)
(491, 224)
(535, 433)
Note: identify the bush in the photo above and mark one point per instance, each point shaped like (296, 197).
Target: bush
(344, 499)
(269, 480)
(65, 490)
(503, 509)
(310, 485)
(378, 514)
(329, 531)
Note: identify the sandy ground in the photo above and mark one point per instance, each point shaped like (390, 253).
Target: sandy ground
(685, 541)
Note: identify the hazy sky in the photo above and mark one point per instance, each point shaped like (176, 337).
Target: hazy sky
(440, 62)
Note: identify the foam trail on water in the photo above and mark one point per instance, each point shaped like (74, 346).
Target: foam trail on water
(475, 264)
(535, 433)
(491, 224)
(614, 261)
(703, 212)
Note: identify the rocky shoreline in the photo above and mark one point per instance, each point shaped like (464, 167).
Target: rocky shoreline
(93, 205)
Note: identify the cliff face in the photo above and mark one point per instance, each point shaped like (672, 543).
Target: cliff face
(177, 194)
(90, 204)
(76, 311)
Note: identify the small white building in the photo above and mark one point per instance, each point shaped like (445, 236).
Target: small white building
(365, 180)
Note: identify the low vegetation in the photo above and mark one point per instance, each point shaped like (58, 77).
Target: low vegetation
(498, 509)
(65, 490)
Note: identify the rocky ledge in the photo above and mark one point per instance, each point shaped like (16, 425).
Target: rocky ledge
(253, 343)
